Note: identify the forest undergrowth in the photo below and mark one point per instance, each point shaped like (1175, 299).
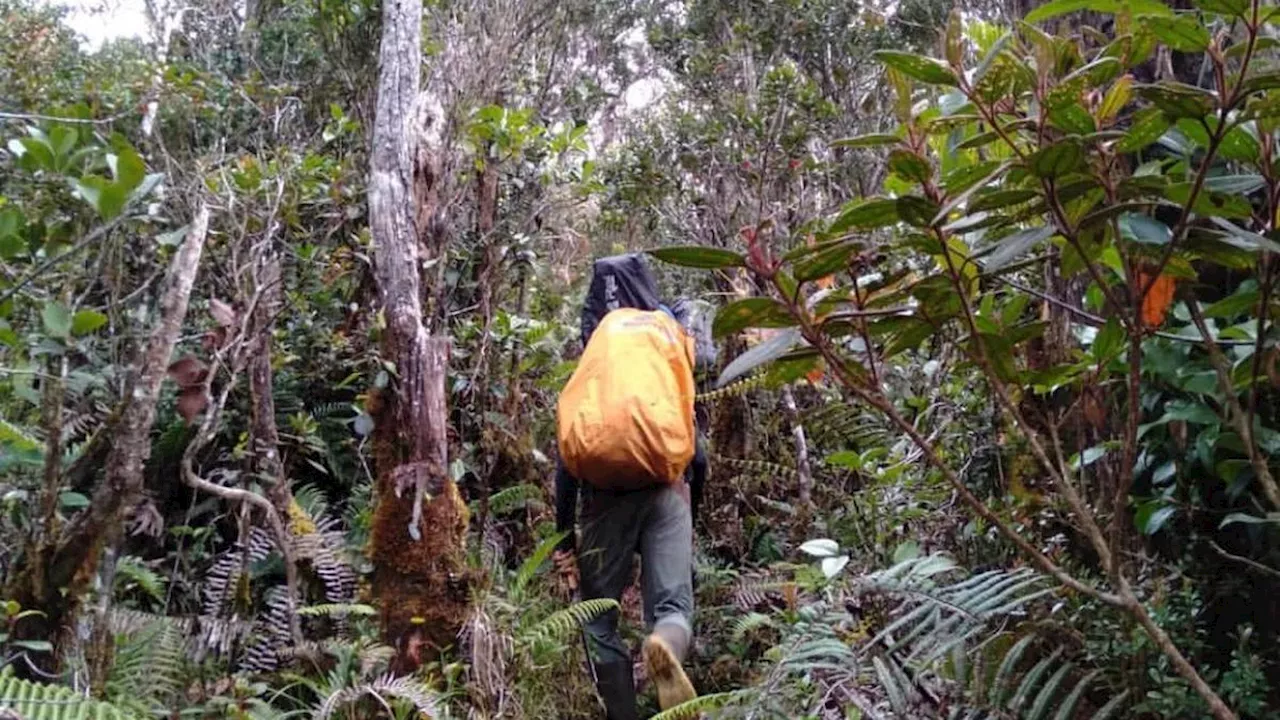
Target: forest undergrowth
(289, 291)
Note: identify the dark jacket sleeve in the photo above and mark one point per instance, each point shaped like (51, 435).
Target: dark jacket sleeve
(566, 506)
(698, 475)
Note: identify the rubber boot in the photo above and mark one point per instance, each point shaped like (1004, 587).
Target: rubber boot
(664, 651)
(617, 689)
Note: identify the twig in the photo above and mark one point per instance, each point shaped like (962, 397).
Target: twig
(96, 234)
(205, 434)
(1272, 572)
(55, 118)
(1236, 414)
(1098, 321)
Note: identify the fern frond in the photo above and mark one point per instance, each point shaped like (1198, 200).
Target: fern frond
(843, 425)
(38, 701)
(272, 633)
(312, 500)
(1111, 707)
(1034, 697)
(1048, 692)
(749, 623)
(756, 467)
(753, 592)
(148, 672)
(325, 411)
(1067, 709)
(889, 681)
(130, 568)
(1031, 680)
(516, 497)
(692, 709)
(404, 688)
(1001, 682)
(565, 621)
(530, 566)
(819, 653)
(18, 438)
(734, 389)
(338, 610)
(936, 616)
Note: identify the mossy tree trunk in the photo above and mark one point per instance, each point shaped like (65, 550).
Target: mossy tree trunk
(419, 531)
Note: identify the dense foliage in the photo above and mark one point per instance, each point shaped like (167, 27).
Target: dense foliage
(993, 428)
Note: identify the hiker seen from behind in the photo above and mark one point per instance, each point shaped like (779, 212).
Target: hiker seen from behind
(629, 451)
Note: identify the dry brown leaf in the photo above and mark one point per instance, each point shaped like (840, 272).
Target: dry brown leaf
(191, 402)
(222, 313)
(1155, 306)
(188, 371)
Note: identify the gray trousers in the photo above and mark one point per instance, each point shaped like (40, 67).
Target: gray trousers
(657, 523)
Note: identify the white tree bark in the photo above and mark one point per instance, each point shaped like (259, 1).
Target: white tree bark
(417, 582)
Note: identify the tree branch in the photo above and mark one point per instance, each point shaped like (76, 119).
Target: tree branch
(1236, 414)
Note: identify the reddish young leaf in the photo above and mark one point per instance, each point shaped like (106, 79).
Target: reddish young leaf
(1158, 299)
(188, 371)
(191, 402)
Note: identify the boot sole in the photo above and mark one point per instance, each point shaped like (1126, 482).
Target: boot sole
(673, 685)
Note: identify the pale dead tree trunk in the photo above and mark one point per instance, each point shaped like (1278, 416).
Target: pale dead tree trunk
(418, 541)
(804, 489)
(66, 569)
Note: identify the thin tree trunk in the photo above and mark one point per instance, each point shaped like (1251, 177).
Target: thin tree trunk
(418, 541)
(804, 490)
(56, 581)
(265, 436)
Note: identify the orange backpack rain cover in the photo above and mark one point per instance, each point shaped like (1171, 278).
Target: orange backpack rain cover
(625, 419)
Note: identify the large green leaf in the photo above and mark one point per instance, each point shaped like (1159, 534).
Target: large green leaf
(1072, 118)
(1271, 518)
(1057, 160)
(1237, 143)
(11, 224)
(973, 176)
(1244, 239)
(1210, 204)
(1001, 199)
(910, 165)
(1178, 100)
(767, 351)
(1224, 7)
(825, 261)
(1184, 33)
(916, 210)
(106, 197)
(56, 319)
(86, 321)
(980, 72)
(128, 169)
(1233, 305)
(1235, 184)
(1152, 515)
(751, 312)
(863, 141)
(1011, 247)
(1147, 127)
(903, 333)
(698, 257)
(1267, 80)
(1144, 229)
(866, 215)
(919, 67)
(1055, 8)
(1109, 341)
